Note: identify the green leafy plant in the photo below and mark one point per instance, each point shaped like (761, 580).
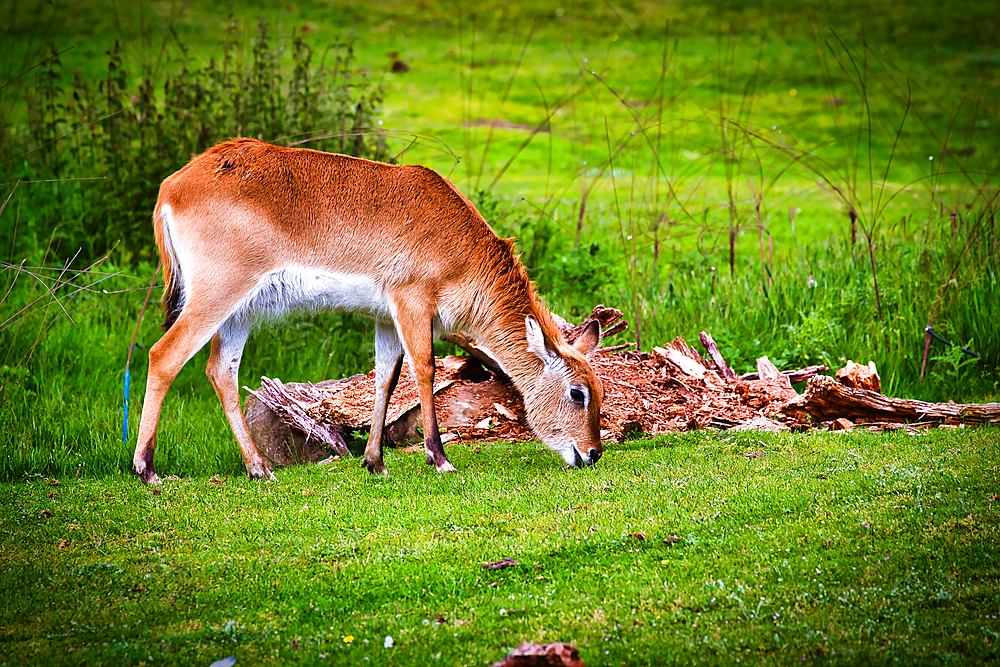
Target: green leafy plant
(124, 133)
(953, 367)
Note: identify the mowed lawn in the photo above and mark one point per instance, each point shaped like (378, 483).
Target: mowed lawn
(716, 548)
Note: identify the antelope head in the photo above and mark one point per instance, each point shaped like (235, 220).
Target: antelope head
(563, 406)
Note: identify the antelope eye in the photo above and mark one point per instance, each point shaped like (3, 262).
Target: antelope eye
(576, 395)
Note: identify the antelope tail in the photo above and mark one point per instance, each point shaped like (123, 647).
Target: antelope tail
(173, 291)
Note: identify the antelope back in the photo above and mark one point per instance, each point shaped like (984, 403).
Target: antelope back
(269, 228)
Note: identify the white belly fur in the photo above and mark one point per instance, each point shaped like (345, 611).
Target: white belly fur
(293, 288)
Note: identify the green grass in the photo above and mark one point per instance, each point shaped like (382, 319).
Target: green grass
(781, 557)
(839, 549)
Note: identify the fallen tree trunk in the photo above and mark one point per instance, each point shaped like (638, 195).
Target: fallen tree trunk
(666, 389)
(826, 400)
(302, 438)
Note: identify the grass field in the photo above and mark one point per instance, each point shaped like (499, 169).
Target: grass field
(749, 169)
(695, 548)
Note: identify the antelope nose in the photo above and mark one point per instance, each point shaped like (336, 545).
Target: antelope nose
(595, 456)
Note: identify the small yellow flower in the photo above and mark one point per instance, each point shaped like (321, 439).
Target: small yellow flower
(793, 92)
(348, 639)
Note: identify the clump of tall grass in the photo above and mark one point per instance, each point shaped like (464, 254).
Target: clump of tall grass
(703, 243)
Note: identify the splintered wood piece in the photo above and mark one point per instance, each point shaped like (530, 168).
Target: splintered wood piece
(686, 364)
(682, 346)
(505, 411)
(771, 391)
(860, 377)
(797, 375)
(760, 423)
(717, 358)
(826, 400)
(610, 320)
(766, 370)
(680, 354)
(842, 424)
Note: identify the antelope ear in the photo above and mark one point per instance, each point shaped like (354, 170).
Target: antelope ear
(536, 341)
(589, 339)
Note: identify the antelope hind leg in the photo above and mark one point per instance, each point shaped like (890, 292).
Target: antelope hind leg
(223, 371)
(166, 358)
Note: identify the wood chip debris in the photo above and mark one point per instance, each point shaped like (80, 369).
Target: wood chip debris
(529, 654)
(502, 564)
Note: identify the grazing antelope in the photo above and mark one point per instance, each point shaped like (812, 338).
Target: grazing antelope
(248, 230)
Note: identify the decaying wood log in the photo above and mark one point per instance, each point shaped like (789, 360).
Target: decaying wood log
(290, 403)
(670, 388)
(279, 443)
(826, 399)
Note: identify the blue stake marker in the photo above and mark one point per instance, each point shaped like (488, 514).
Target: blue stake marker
(125, 420)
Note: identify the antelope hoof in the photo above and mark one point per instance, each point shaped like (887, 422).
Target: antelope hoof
(263, 473)
(146, 474)
(142, 467)
(446, 467)
(375, 467)
(148, 477)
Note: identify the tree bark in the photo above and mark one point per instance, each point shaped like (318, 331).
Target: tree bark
(826, 399)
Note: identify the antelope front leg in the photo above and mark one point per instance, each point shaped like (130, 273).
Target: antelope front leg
(414, 325)
(432, 438)
(388, 364)
(419, 346)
